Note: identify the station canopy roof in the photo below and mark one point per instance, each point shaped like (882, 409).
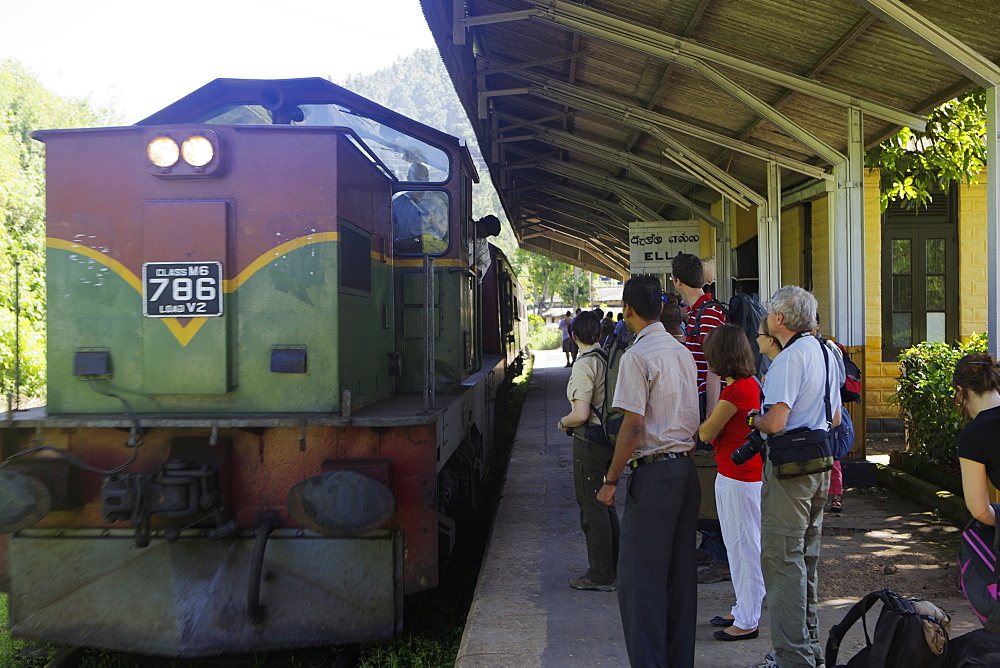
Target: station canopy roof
(595, 114)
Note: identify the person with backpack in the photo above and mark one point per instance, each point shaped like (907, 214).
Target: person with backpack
(737, 487)
(704, 314)
(592, 454)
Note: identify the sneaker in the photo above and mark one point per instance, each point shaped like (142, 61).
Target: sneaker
(714, 573)
(771, 662)
(587, 584)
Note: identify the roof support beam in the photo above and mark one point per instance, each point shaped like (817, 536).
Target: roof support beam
(460, 22)
(761, 108)
(769, 236)
(791, 128)
(483, 97)
(674, 195)
(688, 53)
(846, 239)
(935, 39)
(591, 238)
(570, 235)
(714, 176)
(643, 119)
(623, 188)
(832, 54)
(548, 248)
(518, 123)
(571, 142)
(993, 217)
(501, 69)
(612, 210)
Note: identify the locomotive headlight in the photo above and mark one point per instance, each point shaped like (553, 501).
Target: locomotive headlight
(163, 152)
(197, 151)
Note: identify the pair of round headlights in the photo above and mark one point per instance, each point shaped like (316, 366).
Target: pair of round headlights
(164, 152)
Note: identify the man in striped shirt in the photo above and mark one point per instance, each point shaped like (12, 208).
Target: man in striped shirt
(689, 277)
(702, 317)
(656, 388)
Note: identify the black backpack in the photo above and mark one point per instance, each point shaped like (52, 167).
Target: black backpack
(899, 639)
(975, 648)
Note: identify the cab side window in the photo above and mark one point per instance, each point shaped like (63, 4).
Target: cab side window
(420, 222)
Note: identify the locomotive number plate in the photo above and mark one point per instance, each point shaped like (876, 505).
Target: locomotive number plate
(182, 289)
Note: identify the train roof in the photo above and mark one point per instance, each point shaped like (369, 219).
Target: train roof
(284, 94)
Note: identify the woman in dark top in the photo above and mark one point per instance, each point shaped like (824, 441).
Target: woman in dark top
(977, 395)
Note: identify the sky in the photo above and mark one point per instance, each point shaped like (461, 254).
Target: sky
(141, 55)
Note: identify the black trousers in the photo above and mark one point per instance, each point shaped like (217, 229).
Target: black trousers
(657, 569)
(598, 521)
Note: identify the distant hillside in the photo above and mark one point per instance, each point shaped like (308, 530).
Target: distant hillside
(418, 86)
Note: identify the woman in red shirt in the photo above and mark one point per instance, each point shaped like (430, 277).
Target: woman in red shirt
(737, 488)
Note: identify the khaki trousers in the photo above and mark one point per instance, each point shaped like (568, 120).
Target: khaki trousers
(791, 530)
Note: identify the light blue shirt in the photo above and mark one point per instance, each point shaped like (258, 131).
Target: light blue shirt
(796, 379)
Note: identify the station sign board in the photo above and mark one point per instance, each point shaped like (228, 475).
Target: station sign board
(182, 289)
(652, 244)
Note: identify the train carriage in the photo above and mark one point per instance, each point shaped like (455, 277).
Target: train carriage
(275, 348)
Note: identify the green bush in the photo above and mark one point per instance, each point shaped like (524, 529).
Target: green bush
(540, 335)
(925, 397)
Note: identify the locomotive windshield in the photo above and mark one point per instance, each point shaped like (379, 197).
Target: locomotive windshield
(397, 149)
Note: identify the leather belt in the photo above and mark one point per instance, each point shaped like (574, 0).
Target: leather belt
(656, 457)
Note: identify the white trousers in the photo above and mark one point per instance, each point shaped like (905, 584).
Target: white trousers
(739, 514)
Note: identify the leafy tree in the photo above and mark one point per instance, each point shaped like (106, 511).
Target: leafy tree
(575, 287)
(26, 106)
(544, 279)
(913, 164)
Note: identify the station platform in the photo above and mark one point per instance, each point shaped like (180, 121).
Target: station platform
(525, 614)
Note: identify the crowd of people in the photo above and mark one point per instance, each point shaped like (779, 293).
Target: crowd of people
(687, 388)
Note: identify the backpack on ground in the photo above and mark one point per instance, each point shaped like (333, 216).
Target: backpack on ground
(977, 563)
(975, 648)
(745, 311)
(909, 632)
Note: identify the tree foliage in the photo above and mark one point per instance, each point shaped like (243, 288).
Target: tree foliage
(544, 280)
(26, 106)
(913, 165)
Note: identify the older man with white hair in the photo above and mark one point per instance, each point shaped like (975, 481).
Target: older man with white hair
(802, 402)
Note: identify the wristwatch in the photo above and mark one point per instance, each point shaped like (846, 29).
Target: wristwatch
(609, 482)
